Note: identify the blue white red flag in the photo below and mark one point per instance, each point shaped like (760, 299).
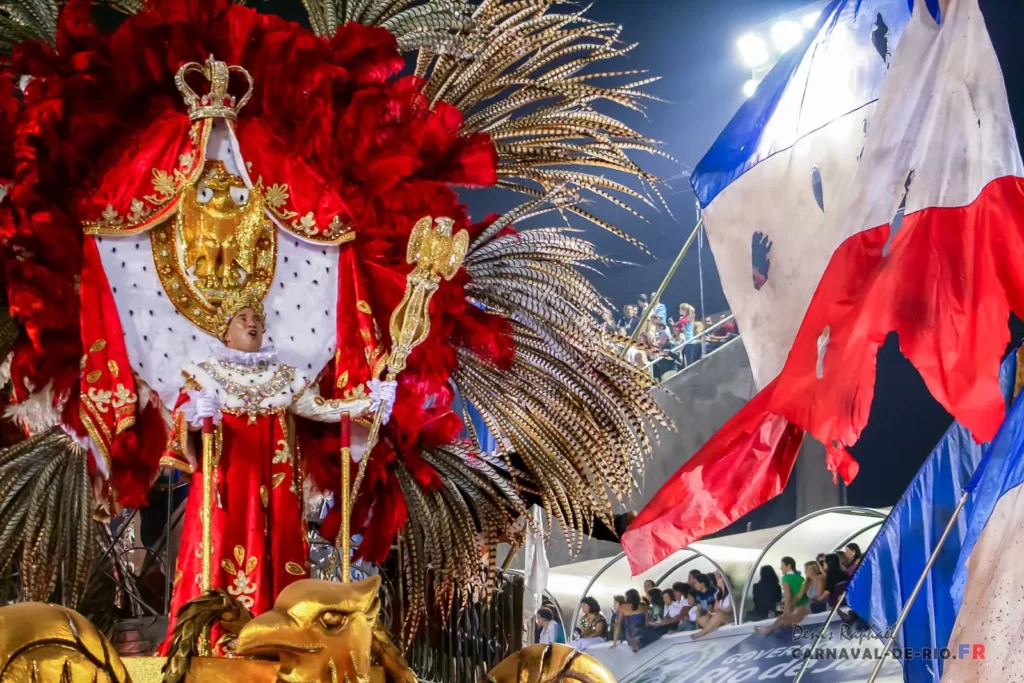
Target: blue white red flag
(896, 559)
(882, 110)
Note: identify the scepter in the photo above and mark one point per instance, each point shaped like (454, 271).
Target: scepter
(206, 580)
(435, 253)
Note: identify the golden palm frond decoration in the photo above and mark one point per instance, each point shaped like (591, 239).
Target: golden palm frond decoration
(523, 74)
(573, 422)
(46, 528)
(416, 24)
(22, 20)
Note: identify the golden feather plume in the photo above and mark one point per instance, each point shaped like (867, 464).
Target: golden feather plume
(46, 527)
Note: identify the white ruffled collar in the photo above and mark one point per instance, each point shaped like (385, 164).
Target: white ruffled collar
(248, 359)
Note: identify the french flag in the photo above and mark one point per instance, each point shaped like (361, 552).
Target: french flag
(872, 184)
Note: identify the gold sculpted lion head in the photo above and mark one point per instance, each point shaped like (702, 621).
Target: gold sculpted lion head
(318, 630)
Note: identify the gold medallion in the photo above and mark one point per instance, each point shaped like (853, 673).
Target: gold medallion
(220, 243)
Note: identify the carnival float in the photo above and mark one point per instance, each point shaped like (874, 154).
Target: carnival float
(242, 293)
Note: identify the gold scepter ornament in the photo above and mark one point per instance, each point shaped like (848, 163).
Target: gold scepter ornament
(436, 253)
(208, 474)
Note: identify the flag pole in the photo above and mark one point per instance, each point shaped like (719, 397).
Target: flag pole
(917, 588)
(661, 288)
(817, 638)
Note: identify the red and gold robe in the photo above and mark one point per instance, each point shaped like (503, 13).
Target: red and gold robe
(259, 530)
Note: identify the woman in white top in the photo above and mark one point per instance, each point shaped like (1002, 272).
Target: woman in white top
(720, 614)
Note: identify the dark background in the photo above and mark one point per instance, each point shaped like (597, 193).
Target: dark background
(691, 45)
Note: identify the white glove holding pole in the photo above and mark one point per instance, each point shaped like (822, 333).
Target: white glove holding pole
(205, 403)
(382, 393)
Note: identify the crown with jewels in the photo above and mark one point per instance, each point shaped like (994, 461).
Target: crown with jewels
(217, 103)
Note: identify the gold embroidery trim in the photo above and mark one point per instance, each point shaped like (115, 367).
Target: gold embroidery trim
(167, 187)
(294, 569)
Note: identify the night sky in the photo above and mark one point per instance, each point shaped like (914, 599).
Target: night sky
(691, 45)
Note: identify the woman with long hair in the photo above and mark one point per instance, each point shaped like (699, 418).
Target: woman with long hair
(632, 620)
(834, 575)
(722, 611)
(814, 579)
(657, 609)
(852, 555)
(767, 594)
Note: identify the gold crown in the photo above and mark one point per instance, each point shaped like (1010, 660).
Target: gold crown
(232, 304)
(217, 102)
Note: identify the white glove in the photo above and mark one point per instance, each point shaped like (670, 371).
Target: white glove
(205, 403)
(382, 393)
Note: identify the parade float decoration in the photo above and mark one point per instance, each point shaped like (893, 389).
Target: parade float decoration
(202, 167)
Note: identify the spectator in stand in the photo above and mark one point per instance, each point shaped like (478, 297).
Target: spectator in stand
(629, 318)
(657, 609)
(593, 627)
(617, 602)
(712, 339)
(820, 559)
(728, 329)
(721, 612)
(550, 630)
(695, 347)
(668, 596)
(767, 595)
(608, 325)
(660, 309)
(794, 597)
(835, 578)
(648, 585)
(852, 555)
(632, 621)
(684, 323)
(672, 618)
(817, 593)
(642, 304)
(699, 584)
(692, 612)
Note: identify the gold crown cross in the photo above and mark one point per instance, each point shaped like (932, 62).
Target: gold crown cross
(218, 102)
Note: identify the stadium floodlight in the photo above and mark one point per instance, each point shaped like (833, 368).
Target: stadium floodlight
(753, 50)
(810, 20)
(785, 35)
(750, 87)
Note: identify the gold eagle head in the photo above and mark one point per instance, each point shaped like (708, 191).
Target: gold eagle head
(318, 630)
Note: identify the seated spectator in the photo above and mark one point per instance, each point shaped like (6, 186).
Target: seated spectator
(632, 621)
(721, 611)
(672, 617)
(550, 630)
(593, 627)
(617, 602)
(657, 608)
(852, 557)
(767, 595)
(817, 594)
(835, 578)
(820, 559)
(794, 598)
(701, 585)
(692, 613)
(608, 325)
(648, 585)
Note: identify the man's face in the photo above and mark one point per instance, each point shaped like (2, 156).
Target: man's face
(245, 331)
